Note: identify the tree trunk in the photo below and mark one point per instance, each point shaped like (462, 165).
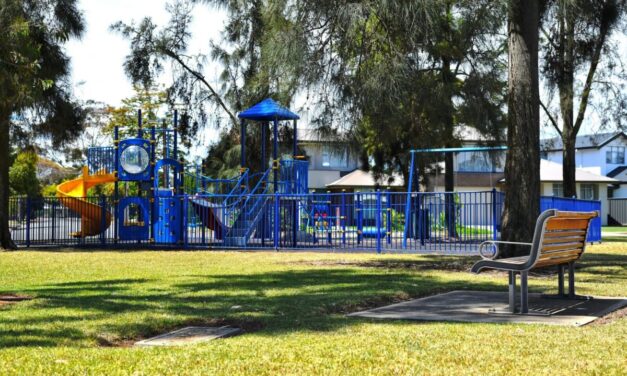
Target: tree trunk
(448, 80)
(569, 163)
(522, 166)
(5, 235)
(566, 91)
(449, 186)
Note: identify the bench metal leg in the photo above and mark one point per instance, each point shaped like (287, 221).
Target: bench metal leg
(560, 280)
(571, 279)
(512, 292)
(524, 296)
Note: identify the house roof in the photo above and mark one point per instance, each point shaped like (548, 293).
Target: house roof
(268, 110)
(589, 141)
(312, 135)
(617, 171)
(552, 172)
(360, 178)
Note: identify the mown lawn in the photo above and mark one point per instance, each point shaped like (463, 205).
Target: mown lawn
(89, 306)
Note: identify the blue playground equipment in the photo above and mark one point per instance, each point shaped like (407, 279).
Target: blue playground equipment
(158, 200)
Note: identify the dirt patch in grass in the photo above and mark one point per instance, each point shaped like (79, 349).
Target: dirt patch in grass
(247, 326)
(612, 317)
(12, 299)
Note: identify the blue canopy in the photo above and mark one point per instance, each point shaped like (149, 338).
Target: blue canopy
(268, 110)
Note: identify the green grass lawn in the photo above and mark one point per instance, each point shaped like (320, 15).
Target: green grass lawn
(89, 306)
(614, 234)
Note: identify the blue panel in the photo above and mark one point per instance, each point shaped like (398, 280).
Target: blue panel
(268, 110)
(136, 230)
(143, 159)
(572, 204)
(167, 226)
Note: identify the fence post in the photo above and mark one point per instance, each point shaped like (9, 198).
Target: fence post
(360, 217)
(28, 217)
(343, 216)
(330, 215)
(54, 220)
(185, 221)
(277, 217)
(103, 218)
(378, 220)
(294, 207)
(388, 227)
(494, 214)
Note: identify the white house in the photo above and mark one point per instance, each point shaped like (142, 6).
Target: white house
(603, 154)
(329, 158)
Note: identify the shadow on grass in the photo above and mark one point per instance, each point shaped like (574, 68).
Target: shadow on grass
(424, 263)
(120, 311)
(274, 302)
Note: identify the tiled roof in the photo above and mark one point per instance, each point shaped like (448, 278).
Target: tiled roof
(360, 178)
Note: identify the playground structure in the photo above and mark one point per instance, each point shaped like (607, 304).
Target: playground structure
(159, 200)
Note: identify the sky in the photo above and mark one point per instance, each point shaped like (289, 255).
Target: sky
(97, 58)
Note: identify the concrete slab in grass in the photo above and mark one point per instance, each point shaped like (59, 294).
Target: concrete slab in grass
(189, 336)
(491, 307)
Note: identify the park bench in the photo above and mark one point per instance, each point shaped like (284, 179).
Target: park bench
(559, 240)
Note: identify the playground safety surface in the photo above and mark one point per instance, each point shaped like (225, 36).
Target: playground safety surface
(491, 307)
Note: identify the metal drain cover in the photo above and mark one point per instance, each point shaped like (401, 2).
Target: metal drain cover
(190, 335)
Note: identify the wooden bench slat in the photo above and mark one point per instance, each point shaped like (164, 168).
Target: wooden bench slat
(556, 234)
(570, 214)
(547, 255)
(566, 239)
(545, 263)
(566, 224)
(562, 246)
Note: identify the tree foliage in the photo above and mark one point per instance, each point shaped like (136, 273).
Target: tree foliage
(33, 81)
(23, 175)
(581, 64)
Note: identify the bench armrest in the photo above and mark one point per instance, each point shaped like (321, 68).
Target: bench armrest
(494, 244)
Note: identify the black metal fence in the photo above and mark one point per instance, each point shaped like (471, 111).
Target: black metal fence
(378, 221)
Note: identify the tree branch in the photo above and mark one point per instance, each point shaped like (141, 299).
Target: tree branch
(551, 118)
(202, 79)
(585, 94)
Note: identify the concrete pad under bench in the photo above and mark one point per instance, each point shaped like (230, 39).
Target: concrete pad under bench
(491, 307)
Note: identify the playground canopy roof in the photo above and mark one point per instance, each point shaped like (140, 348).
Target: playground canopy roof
(268, 110)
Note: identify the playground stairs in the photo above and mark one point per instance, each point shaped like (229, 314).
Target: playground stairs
(244, 226)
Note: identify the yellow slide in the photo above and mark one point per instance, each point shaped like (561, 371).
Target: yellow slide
(72, 195)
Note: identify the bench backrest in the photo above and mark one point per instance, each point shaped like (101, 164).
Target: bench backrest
(560, 237)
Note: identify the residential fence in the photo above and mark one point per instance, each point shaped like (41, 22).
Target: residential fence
(617, 215)
(451, 223)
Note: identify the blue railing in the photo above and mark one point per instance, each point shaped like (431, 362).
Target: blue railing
(101, 160)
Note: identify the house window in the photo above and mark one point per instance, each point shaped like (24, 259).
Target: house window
(589, 192)
(334, 157)
(558, 190)
(479, 161)
(615, 155)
